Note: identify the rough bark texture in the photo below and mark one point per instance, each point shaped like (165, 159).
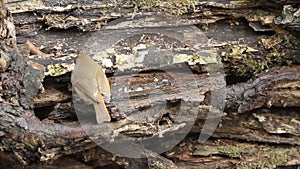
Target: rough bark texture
(258, 129)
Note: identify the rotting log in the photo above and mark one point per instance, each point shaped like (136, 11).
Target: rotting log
(47, 145)
(44, 134)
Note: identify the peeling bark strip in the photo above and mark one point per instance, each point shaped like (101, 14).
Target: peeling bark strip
(278, 88)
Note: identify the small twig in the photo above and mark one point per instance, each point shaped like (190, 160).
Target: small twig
(36, 51)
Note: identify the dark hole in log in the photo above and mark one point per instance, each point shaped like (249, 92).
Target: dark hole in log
(174, 107)
(288, 167)
(231, 79)
(165, 119)
(151, 71)
(43, 112)
(285, 111)
(110, 166)
(56, 91)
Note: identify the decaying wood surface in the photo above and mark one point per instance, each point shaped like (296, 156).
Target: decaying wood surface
(39, 125)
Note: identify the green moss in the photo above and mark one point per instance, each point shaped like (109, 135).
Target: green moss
(204, 27)
(279, 157)
(246, 61)
(179, 7)
(270, 159)
(175, 7)
(260, 12)
(57, 69)
(31, 142)
(231, 151)
(242, 60)
(158, 165)
(145, 4)
(199, 150)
